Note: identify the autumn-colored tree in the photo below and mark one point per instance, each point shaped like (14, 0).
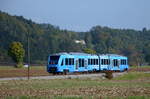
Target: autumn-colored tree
(17, 52)
(89, 51)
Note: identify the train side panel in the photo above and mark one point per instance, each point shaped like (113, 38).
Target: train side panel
(86, 62)
(93, 63)
(104, 62)
(118, 63)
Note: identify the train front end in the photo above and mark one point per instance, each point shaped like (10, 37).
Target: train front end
(53, 63)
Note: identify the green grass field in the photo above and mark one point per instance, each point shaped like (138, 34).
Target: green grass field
(134, 85)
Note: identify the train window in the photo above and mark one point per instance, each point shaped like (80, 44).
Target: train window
(67, 61)
(105, 61)
(96, 61)
(93, 61)
(123, 62)
(102, 61)
(115, 61)
(89, 62)
(54, 59)
(62, 63)
(82, 62)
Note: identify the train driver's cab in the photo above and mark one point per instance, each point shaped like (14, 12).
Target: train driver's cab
(52, 63)
(54, 60)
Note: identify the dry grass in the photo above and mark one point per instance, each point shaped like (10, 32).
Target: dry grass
(9, 71)
(139, 69)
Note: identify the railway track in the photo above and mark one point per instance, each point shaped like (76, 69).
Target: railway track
(70, 76)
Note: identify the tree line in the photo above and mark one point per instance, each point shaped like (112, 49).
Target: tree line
(46, 39)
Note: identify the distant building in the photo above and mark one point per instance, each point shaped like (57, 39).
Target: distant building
(80, 42)
(26, 65)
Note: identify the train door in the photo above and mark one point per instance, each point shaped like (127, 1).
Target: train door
(82, 65)
(76, 65)
(85, 63)
(116, 63)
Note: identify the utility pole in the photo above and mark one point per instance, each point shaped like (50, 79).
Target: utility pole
(28, 55)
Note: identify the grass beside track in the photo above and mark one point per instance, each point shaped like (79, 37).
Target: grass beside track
(133, 76)
(140, 68)
(14, 68)
(134, 85)
(10, 71)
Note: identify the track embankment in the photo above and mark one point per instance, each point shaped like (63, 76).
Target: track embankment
(71, 76)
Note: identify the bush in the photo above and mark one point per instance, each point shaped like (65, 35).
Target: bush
(17, 52)
(109, 74)
(19, 65)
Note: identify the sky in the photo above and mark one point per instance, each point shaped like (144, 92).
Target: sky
(82, 15)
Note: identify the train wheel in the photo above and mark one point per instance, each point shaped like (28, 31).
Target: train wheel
(94, 70)
(54, 73)
(126, 69)
(65, 72)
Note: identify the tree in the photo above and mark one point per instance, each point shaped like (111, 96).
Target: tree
(17, 52)
(88, 40)
(144, 30)
(89, 51)
(46, 39)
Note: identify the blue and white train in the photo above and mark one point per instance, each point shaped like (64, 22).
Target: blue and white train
(82, 62)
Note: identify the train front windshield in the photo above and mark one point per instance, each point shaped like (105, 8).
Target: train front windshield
(54, 60)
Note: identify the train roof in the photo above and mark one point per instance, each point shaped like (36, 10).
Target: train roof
(78, 53)
(72, 53)
(114, 55)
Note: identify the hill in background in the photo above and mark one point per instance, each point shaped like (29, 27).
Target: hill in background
(46, 39)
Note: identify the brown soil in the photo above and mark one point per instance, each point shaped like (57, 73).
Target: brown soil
(22, 73)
